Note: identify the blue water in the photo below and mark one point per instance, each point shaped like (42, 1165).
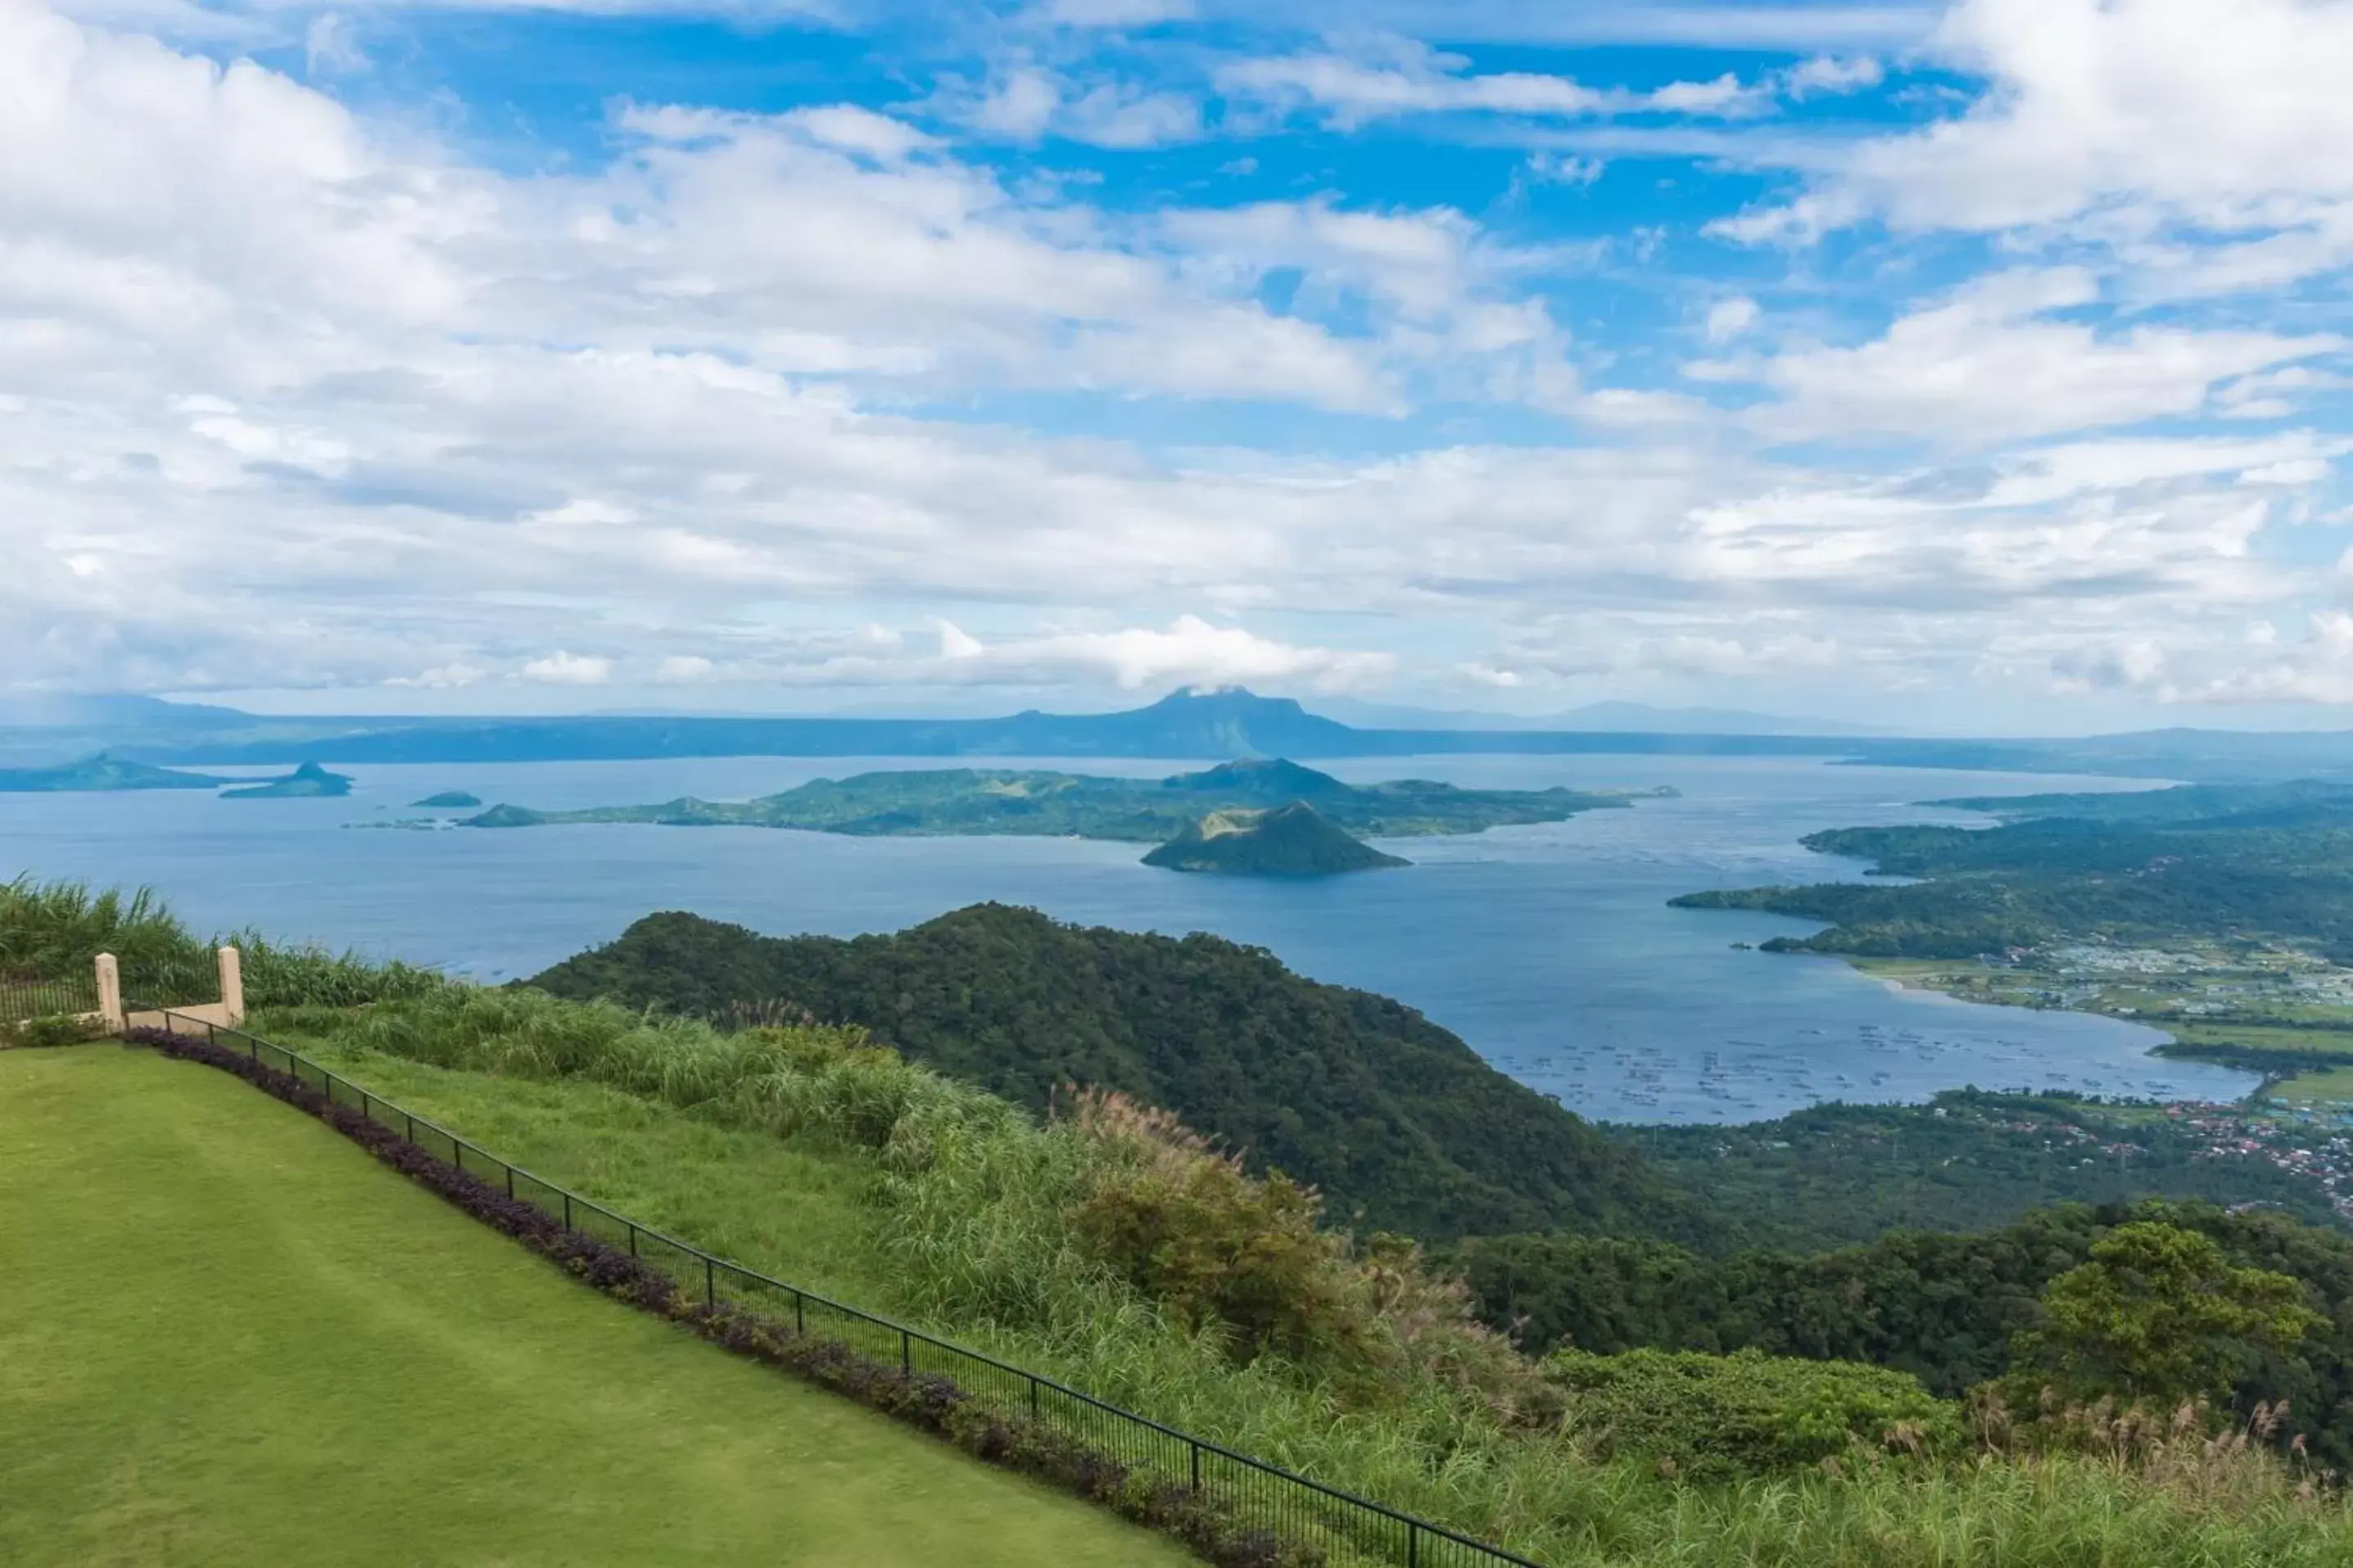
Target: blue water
(1550, 949)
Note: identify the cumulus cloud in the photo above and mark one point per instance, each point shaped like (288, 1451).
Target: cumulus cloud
(1192, 652)
(298, 399)
(1989, 363)
(561, 668)
(2124, 119)
(2316, 668)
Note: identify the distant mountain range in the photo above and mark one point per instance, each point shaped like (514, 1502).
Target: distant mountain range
(1614, 718)
(1185, 726)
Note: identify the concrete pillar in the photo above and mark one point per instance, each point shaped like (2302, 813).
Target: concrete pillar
(232, 987)
(109, 993)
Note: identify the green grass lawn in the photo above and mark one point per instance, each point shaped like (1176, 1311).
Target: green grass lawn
(2259, 1037)
(227, 1335)
(2335, 1085)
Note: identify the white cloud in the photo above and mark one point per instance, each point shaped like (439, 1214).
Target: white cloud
(1989, 363)
(956, 644)
(1829, 75)
(2222, 119)
(331, 46)
(1729, 319)
(2293, 471)
(1562, 169)
(2319, 668)
(561, 668)
(442, 677)
(1027, 102)
(1192, 652)
(1394, 76)
(298, 399)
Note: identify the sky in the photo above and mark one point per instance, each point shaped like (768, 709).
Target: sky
(1973, 368)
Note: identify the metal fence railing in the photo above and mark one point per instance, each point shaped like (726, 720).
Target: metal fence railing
(23, 999)
(1345, 1528)
(175, 982)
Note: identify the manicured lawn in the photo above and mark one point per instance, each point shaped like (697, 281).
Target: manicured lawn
(796, 1210)
(227, 1335)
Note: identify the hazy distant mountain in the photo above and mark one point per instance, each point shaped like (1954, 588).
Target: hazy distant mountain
(1185, 726)
(58, 710)
(1613, 718)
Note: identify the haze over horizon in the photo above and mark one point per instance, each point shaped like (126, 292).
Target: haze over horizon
(1973, 368)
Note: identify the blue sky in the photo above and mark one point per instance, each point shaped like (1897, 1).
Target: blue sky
(1979, 367)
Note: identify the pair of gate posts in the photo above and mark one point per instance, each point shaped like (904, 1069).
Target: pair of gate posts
(228, 1011)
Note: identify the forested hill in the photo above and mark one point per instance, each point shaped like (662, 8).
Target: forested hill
(2197, 864)
(1397, 1122)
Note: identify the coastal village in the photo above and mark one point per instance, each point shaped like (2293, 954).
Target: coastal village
(2243, 1007)
(2315, 1142)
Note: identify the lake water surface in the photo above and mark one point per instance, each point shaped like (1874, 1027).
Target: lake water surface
(1550, 949)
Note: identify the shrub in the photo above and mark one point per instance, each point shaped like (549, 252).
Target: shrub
(2160, 1314)
(57, 1029)
(1707, 1416)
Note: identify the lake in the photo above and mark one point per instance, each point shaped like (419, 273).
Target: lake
(1550, 949)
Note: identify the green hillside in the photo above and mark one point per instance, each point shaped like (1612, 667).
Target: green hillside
(1295, 840)
(1393, 1119)
(1104, 1249)
(233, 1338)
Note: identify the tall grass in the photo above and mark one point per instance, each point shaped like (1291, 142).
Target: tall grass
(52, 930)
(987, 1226)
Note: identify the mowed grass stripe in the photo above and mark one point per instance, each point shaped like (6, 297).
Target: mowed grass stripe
(227, 1335)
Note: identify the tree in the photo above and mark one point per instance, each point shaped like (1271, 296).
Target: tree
(2158, 1313)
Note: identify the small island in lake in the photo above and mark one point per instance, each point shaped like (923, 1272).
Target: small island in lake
(309, 782)
(1295, 840)
(448, 800)
(100, 771)
(1040, 803)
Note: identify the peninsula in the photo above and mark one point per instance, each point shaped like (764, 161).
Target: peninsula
(1295, 840)
(964, 801)
(2220, 914)
(100, 771)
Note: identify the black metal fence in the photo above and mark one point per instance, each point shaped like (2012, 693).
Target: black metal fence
(1345, 1528)
(23, 999)
(177, 981)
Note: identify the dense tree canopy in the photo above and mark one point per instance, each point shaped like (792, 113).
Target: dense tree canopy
(1398, 1123)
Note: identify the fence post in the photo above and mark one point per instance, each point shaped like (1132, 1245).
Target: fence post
(109, 993)
(232, 987)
